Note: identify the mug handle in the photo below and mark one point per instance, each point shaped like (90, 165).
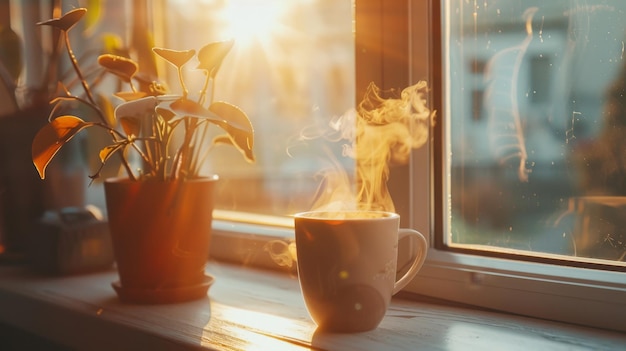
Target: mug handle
(422, 248)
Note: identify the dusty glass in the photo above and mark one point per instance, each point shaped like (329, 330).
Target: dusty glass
(535, 125)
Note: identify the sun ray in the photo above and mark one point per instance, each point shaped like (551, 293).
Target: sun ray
(252, 20)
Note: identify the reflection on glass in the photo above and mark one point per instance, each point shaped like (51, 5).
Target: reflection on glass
(292, 70)
(536, 126)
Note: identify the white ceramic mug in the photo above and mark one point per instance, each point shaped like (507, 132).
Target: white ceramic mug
(347, 265)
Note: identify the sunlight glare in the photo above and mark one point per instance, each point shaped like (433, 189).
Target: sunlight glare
(252, 20)
(261, 331)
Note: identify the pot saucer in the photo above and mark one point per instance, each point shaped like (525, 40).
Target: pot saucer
(165, 295)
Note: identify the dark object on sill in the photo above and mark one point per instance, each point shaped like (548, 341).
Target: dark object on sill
(21, 190)
(24, 196)
(70, 241)
(14, 339)
(11, 258)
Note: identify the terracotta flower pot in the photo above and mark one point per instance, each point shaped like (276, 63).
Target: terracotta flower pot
(160, 233)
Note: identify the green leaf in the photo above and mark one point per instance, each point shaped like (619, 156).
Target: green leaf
(223, 139)
(67, 21)
(131, 125)
(188, 108)
(212, 55)
(109, 150)
(113, 44)
(138, 108)
(176, 57)
(229, 117)
(122, 67)
(130, 95)
(11, 53)
(238, 126)
(93, 15)
(108, 110)
(52, 137)
(165, 113)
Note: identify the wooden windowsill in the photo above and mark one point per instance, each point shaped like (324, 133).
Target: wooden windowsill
(249, 309)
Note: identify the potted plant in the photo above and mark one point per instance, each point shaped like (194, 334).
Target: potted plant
(160, 213)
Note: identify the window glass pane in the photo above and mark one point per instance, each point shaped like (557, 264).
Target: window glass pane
(535, 127)
(292, 70)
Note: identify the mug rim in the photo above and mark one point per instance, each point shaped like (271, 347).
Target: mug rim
(315, 215)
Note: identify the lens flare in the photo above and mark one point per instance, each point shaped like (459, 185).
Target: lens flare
(252, 20)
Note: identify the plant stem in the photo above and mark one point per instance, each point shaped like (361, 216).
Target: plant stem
(114, 134)
(212, 91)
(198, 158)
(142, 154)
(163, 134)
(182, 82)
(74, 61)
(92, 101)
(205, 86)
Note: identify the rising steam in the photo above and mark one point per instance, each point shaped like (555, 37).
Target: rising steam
(379, 133)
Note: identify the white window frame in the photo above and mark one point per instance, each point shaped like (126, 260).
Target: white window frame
(585, 296)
